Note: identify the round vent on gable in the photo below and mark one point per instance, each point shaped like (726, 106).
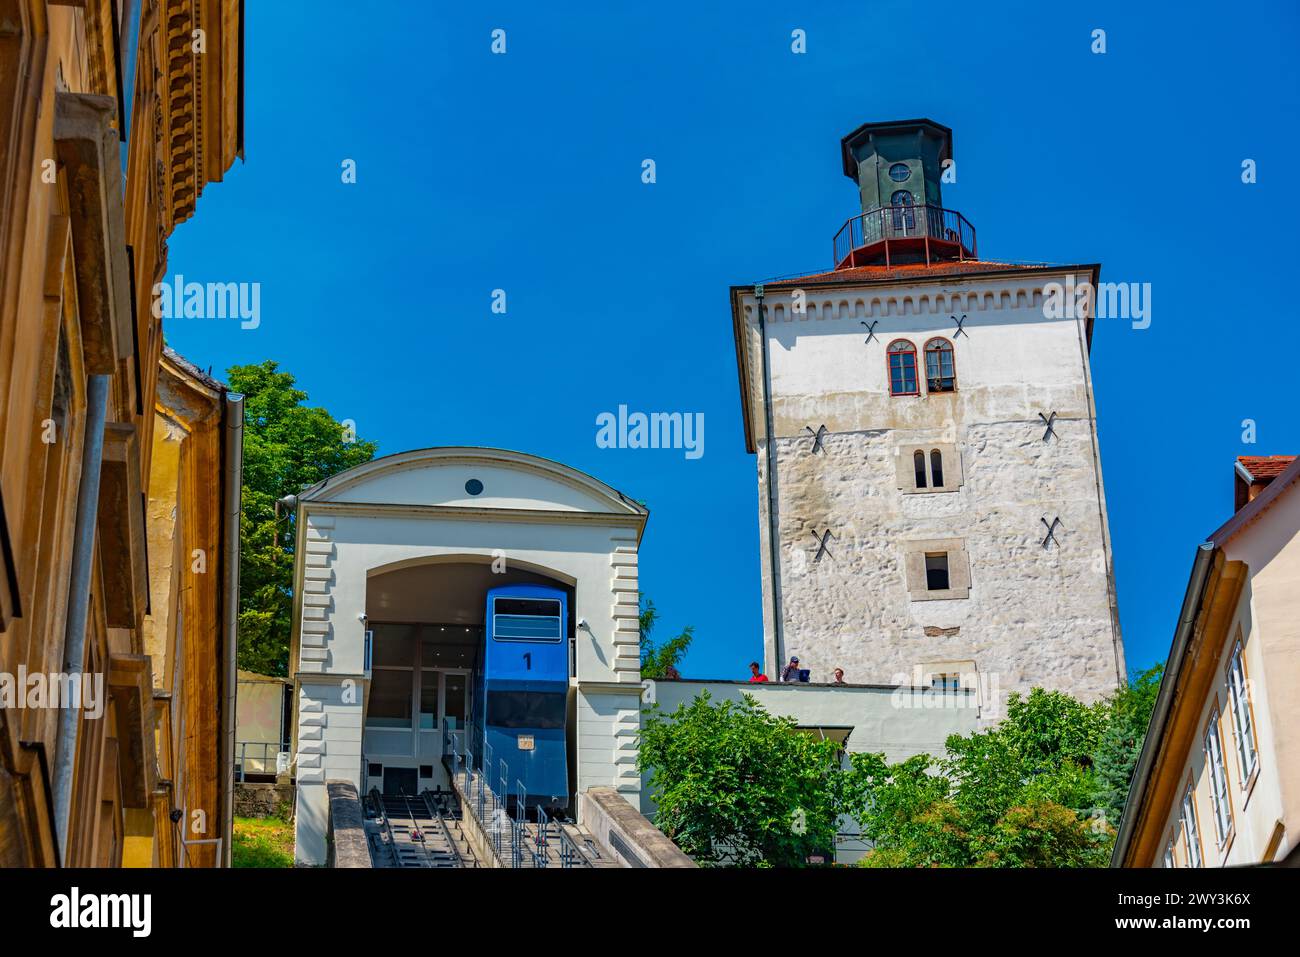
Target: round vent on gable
(474, 486)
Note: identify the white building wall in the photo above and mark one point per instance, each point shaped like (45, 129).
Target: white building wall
(329, 716)
(1034, 615)
(418, 512)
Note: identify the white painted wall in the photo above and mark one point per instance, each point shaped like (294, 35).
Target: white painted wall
(1034, 616)
(413, 509)
(897, 722)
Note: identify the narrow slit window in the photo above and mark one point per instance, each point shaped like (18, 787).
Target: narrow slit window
(904, 220)
(918, 463)
(936, 467)
(936, 571)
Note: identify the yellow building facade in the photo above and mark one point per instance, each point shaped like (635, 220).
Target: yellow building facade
(119, 464)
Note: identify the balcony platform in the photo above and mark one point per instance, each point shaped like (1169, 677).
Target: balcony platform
(904, 234)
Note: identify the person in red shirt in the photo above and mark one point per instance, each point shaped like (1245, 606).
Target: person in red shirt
(756, 673)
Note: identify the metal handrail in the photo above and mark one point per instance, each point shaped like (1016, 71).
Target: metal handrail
(885, 224)
(518, 822)
(543, 825)
(281, 747)
(570, 853)
(491, 808)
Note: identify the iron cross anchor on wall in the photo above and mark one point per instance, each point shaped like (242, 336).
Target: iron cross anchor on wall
(960, 331)
(871, 331)
(817, 438)
(1051, 531)
(821, 543)
(1048, 420)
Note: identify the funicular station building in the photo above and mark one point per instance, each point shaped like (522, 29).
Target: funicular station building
(396, 558)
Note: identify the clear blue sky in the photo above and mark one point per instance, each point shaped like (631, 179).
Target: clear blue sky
(522, 172)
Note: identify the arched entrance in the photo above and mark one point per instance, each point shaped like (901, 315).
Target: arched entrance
(424, 624)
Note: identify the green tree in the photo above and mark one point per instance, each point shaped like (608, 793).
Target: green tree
(287, 447)
(736, 786)
(1121, 743)
(657, 659)
(1019, 794)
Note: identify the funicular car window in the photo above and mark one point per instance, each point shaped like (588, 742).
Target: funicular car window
(525, 709)
(527, 619)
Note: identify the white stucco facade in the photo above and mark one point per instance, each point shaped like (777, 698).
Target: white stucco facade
(413, 510)
(1018, 613)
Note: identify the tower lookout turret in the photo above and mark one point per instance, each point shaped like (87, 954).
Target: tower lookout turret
(899, 169)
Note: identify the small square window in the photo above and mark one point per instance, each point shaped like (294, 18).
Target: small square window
(936, 571)
(426, 770)
(375, 770)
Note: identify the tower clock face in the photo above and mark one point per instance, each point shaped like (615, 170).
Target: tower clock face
(899, 172)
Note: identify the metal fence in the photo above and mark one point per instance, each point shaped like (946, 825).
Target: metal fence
(258, 757)
(514, 844)
(948, 229)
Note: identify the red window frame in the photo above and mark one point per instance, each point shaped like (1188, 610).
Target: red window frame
(910, 352)
(952, 358)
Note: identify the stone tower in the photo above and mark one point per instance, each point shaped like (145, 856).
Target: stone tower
(930, 495)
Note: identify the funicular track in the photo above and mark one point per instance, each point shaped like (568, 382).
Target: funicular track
(516, 836)
(410, 831)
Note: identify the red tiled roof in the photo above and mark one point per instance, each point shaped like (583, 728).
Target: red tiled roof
(1276, 487)
(1265, 467)
(903, 270)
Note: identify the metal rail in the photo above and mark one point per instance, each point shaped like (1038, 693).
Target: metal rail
(948, 230)
(377, 803)
(441, 821)
(415, 835)
(490, 808)
(268, 763)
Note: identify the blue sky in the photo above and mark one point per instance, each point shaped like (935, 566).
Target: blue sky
(522, 172)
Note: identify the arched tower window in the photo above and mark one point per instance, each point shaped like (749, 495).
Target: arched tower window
(940, 370)
(918, 463)
(936, 467)
(902, 368)
(904, 217)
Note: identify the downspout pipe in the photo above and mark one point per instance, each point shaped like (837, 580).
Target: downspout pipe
(82, 574)
(231, 502)
(773, 522)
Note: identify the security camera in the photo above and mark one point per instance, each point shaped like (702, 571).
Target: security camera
(582, 623)
(362, 618)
